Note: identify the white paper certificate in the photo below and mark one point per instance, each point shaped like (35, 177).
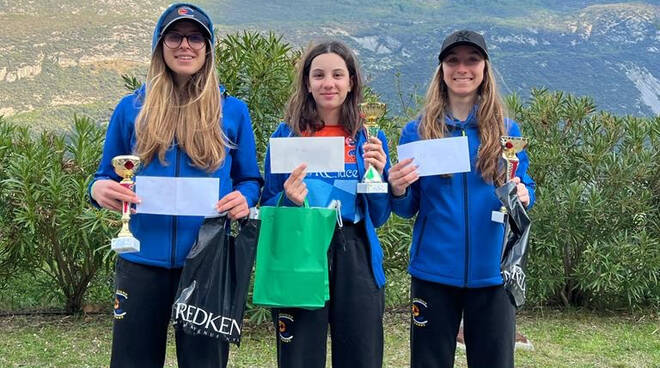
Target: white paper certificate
(438, 156)
(321, 154)
(177, 196)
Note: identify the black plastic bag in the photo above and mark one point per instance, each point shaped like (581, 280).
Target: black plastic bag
(210, 300)
(514, 248)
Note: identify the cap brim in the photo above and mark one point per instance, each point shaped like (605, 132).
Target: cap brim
(184, 17)
(446, 51)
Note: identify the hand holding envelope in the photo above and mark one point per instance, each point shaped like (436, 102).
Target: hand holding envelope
(430, 157)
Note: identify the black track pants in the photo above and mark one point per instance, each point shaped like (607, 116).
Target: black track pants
(143, 303)
(354, 312)
(488, 325)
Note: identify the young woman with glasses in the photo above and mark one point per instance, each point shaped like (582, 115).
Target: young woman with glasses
(180, 125)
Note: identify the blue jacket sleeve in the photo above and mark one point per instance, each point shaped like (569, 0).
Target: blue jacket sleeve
(379, 204)
(523, 165)
(407, 205)
(117, 142)
(274, 183)
(244, 169)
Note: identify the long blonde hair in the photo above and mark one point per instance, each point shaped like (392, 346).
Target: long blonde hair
(490, 120)
(190, 116)
(301, 114)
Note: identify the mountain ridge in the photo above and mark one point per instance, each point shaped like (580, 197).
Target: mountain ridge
(57, 59)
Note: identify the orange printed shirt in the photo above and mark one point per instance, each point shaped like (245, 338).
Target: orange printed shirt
(327, 186)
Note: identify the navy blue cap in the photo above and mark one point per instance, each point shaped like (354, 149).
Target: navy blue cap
(463, 37)
(179, 11)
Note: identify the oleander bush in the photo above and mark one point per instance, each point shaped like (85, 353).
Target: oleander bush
(47, 227)
(595, 223)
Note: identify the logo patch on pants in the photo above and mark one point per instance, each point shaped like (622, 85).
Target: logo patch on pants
(120, 303)
(285, 327)
(419, 307)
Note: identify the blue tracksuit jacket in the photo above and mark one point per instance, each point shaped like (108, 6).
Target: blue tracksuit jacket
(166, 240)
(454, 240)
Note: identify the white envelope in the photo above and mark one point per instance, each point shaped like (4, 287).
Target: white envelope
(177, 196)
(438, 156)
(321, 154)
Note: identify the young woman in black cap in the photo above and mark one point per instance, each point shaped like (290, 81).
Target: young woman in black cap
(180, 125)
(456, 249)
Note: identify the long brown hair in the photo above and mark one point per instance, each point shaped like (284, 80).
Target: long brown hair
(301, 114)
(490, 120)
(190, 115)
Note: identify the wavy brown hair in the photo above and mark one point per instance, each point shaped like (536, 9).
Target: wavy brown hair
(189, 115)
(301, 114)
(490, 118)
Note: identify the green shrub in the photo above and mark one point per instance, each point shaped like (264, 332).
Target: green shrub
(595, 222)
(259, 69)
(48, 226)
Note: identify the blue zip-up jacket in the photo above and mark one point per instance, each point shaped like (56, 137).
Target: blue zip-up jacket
(166, 240)
(454, 240)
(375, 206)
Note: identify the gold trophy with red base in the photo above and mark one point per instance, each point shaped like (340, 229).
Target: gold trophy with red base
(372, 182)
(125, 166)
(510, 147)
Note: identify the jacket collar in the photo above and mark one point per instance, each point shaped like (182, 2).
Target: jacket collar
(470, 121)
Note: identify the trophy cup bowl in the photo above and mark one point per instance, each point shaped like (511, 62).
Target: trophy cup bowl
(372, 182)
(372, 111)
(125, 166)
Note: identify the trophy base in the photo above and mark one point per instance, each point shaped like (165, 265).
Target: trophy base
(372, 188)
(125, 245)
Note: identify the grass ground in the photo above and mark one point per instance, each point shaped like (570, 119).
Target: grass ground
(561, 339)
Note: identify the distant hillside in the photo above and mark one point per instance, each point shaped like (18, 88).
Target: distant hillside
(59, 58)
(603, 49)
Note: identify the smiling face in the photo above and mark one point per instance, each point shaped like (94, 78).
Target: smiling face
(329, 83)
(184, 60)
(463, 71)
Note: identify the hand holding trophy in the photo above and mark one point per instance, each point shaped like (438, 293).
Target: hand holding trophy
(125, 166)
(372, 182)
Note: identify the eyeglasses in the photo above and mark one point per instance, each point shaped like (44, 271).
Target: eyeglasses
(174, 39)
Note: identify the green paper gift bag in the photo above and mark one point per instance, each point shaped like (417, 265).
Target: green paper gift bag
(292, 256)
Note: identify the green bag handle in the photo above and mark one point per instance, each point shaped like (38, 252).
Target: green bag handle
(279, 201)
(340, 222)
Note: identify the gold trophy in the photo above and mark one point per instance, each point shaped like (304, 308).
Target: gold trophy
(510, 147)
(372, 182)
(125, 166)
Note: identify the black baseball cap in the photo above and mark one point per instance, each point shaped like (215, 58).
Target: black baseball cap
(463, 37)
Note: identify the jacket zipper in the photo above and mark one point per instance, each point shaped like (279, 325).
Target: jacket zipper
(175, 219)
(467, 223)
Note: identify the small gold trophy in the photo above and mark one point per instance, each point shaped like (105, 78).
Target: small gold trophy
(510, 147)
(372, 182)
(125, 166)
